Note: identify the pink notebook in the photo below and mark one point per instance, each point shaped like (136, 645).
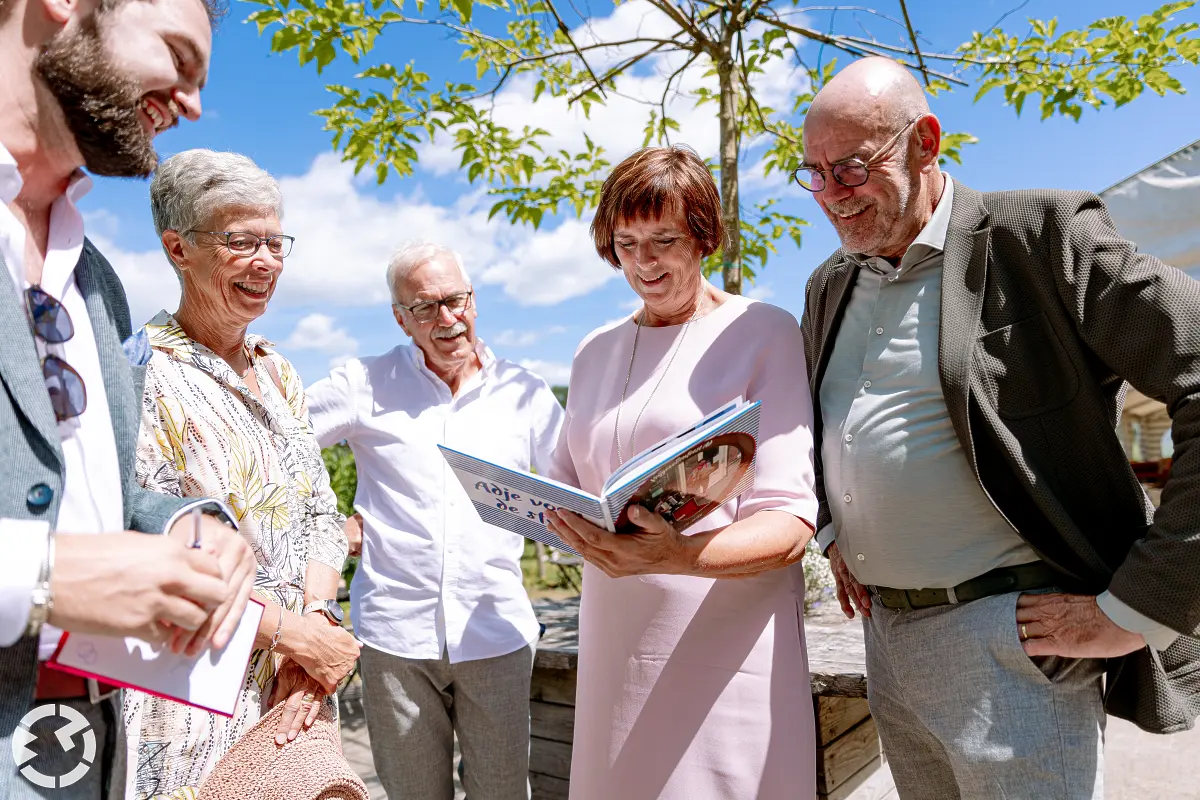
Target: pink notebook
(211, 679)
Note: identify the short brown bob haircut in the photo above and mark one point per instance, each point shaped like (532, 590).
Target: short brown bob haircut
(655, 181)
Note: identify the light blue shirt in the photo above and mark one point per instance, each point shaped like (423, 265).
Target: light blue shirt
(908, 511)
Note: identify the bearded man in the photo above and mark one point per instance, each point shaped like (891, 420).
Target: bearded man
(87, 83)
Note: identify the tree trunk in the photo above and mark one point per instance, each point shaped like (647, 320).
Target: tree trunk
(730, 217)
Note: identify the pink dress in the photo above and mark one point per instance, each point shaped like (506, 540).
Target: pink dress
(694, 688)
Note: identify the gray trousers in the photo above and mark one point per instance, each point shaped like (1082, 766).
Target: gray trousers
(57, 765)
(414, 707)
(964, 714)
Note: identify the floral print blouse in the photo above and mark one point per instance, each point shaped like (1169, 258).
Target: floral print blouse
(205, 434)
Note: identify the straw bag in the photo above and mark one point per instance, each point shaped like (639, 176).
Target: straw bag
(310, 767)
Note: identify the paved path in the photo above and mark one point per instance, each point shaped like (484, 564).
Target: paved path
(1140, 766)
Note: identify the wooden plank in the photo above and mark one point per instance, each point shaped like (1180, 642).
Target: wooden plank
(836, 715)
(553, 686)
(550, 758)
(840, 760)
(554, 658)
(552, 721)
(872, 782)
(545, 787)
(840, 681)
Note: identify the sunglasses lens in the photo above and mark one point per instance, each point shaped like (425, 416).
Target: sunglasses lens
(67, 392)
(50, 320)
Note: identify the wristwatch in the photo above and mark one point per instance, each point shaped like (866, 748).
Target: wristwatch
(330, 608)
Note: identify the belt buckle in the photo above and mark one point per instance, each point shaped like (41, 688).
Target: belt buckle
(94, 693)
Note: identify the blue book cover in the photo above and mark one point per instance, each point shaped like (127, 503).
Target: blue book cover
(684, 478)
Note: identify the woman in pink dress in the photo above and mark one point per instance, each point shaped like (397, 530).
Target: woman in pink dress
(693, 678)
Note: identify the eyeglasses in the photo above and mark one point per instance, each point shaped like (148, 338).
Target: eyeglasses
(52, 323)
(456, 304)
(849, 173)
(242, 243)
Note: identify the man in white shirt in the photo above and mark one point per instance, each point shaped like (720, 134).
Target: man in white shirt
(438, 598)
(69, 411)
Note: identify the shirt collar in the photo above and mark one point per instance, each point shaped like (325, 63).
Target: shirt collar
(11, 181)
(931, 239)
(487, 360)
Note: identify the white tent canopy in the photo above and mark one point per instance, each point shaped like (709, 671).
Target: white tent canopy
(1159, 208)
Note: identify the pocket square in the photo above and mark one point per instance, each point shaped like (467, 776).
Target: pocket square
(137, 348)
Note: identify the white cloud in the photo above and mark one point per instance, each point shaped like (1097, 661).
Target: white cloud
(555, 373)
(760, 291)
(551, 266)
(344, 237)
(320, 332)
(524, 338)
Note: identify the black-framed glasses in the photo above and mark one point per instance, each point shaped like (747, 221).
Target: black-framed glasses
(456, 304)
(244, 243)
(852, 172)
(52, 324)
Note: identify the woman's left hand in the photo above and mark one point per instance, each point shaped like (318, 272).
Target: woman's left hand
(303, 698)
(658, 549)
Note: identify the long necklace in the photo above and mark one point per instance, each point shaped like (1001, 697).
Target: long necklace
(629, 373)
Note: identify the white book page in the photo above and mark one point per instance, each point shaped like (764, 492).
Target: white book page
(211, 679)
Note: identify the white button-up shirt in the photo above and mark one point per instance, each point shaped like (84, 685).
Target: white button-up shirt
(434, 577)
(92, 492)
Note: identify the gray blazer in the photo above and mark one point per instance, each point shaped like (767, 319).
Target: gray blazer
(1046, 314)
(32, 456)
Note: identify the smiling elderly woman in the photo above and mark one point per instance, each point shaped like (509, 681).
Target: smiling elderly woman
(689, 686)
(224, 416)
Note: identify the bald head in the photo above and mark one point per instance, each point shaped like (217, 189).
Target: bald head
(875, 93)
(871, 149)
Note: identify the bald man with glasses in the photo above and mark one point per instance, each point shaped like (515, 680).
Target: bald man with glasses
(968, 353)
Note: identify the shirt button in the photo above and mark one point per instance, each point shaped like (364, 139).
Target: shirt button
(867, 384)
(40, 495)
(847, 498)
(861, 557)
(849, 437)
(879, 331)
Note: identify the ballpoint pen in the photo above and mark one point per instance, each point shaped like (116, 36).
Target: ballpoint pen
(196, 543)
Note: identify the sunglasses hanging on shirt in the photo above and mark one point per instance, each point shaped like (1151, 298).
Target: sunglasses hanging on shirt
(52, 324)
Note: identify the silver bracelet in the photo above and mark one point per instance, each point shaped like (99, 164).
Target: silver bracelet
(42, 599)
(278, 632)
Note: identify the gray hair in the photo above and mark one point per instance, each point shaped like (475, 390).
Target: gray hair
(189, 188)
(413, 255)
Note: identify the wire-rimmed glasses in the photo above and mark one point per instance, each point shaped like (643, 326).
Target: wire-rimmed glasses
(428, 311)
(852, 172)
(244, 243)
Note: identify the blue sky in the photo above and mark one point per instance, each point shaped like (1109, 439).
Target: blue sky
(540, 292)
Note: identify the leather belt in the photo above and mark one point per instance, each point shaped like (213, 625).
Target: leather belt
(1021, 578)
(54, 684)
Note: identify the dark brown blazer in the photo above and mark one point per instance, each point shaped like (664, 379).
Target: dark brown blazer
(1048, 315)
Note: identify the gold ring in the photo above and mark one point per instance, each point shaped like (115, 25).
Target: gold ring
(309, 697)
(1024, 632)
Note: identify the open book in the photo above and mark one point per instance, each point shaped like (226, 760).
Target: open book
(683, 478)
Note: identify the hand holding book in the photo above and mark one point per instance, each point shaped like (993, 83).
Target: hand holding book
(681, 479)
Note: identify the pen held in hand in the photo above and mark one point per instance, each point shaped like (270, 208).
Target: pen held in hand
(195, 542)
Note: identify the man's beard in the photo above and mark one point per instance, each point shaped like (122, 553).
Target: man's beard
(873, 241)
(99, 104)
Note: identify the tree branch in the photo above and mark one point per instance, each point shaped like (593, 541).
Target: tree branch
(683, 22)
(617, 70)
(662, 103)
(562, 26)
(913, 36)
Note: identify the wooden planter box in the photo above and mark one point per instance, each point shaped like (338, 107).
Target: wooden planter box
(848, 750)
